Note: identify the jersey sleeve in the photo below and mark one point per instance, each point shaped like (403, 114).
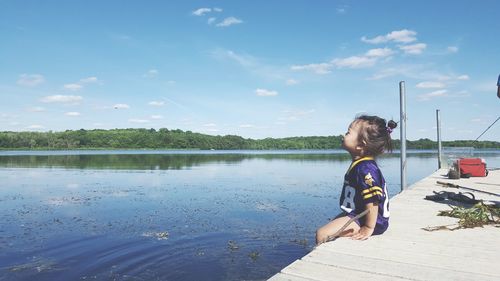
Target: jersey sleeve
(370, 184)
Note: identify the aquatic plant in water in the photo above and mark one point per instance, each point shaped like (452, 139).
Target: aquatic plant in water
(254, 255)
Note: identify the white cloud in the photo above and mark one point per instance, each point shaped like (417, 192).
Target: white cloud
(92, 79)
(61, 99)
(350, 62)
(295, 115)
(210, 125)
(73, 87)
(140, 121)
(121, 106)
(401, 36)
(369, 59)
(151, 73)
(373, 57)
(452, 49)
(201, 11)
(414, 49)
(36, 109)
(204, 11)
(243, 60)
(252, 64)
(35, 127)
(229, 21)
(376, 40)
(8, 116)
(72, 113)
(404, 36)
(156, 103)
(79, 85)
(463, 77)
(380, 52)
(291, 82)
(431, 95)
(30, 80)
(461, 94)
(265, 93)
(388, 72)
(318, 68)
(342, 9)
(156, 117)
(430, 85)
(354, 62)
(247, 126)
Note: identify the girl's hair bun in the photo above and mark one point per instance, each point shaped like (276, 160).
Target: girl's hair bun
(391, 124)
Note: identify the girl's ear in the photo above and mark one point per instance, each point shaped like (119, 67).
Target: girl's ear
(361, 145)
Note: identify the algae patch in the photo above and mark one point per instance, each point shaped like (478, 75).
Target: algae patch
(476, 216)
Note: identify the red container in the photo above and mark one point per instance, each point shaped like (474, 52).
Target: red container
(473, 167)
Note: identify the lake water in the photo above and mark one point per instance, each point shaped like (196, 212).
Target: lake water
(172, 215)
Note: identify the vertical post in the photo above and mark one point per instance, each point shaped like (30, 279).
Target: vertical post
(440, 151)
(402, 106)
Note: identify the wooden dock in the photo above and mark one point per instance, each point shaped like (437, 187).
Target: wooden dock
(406, 251)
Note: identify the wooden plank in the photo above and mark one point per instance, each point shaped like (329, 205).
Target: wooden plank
(393, 268)
(406, 251)
(476, 236)
(395, 254)
(449, 250)
(287, 277)
(323, 272)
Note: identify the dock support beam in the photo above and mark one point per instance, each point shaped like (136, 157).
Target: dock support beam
(402, 120)
(440, 150)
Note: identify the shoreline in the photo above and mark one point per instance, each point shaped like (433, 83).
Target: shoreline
(223, 151)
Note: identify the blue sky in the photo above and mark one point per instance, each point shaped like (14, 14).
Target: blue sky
(251, 68)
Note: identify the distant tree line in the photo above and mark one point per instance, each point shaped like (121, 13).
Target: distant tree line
(178, 139)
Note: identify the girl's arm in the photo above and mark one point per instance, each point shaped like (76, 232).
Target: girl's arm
(371, 220)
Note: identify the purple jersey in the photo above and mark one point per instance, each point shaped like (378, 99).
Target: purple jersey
(363, 184)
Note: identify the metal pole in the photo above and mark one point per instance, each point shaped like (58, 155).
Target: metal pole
(440, 151)
(402, 106)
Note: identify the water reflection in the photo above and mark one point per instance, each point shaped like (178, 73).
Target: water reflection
(171, 216)
(163, 161)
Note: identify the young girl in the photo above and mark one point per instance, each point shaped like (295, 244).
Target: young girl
(364, 186)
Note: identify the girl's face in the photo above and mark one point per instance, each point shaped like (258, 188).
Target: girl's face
(351, 142)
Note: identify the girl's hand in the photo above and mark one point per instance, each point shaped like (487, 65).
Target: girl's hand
(363, 233)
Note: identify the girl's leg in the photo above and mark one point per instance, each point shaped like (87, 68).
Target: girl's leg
(335, 225)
